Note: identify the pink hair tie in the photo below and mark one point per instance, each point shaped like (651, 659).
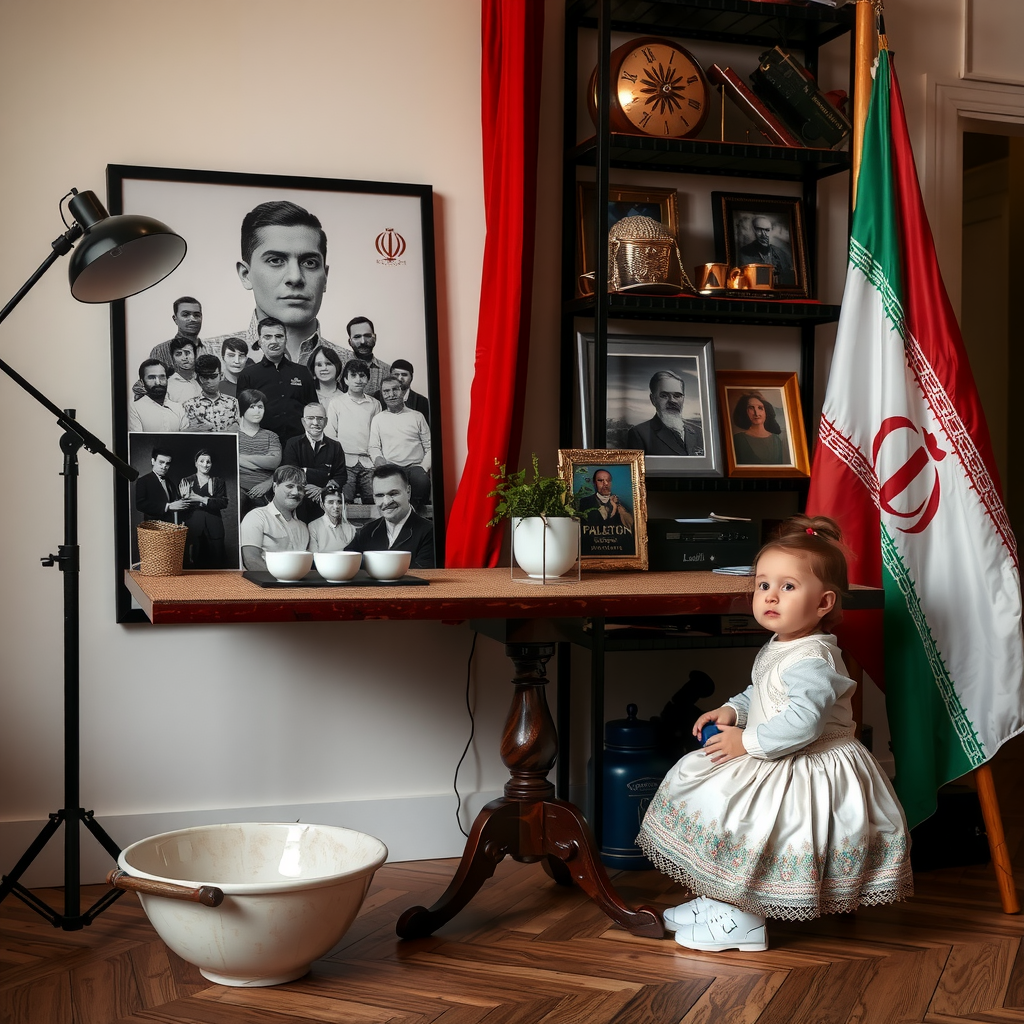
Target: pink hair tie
(813, 533)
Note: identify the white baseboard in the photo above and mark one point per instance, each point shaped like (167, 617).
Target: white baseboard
(412, 828)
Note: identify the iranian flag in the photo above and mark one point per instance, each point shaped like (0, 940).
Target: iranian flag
(904, 464)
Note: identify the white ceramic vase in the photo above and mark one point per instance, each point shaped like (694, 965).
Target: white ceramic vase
(545, 547)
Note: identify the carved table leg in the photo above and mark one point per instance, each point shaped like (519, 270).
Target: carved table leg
(494, 834)
(527, 823)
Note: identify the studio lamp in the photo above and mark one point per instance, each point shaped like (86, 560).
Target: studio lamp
(116, 257)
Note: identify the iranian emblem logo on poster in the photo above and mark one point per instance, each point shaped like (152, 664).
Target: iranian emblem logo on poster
(391, 246)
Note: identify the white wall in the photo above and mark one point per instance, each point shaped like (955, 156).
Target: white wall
(363, 721)
(210, 718)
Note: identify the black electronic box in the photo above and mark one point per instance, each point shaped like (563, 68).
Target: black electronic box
(700, 544)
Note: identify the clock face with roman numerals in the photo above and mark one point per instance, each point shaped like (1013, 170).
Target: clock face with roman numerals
(658, 89)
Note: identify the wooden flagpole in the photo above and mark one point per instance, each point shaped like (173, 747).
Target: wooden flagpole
(865, 46)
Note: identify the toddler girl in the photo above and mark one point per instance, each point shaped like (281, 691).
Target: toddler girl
(782, 813)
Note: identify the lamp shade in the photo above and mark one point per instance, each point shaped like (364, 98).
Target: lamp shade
(119, 256)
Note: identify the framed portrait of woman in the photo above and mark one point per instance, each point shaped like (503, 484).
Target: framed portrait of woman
(762, 424)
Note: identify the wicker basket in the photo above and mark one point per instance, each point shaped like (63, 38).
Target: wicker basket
(161, 548)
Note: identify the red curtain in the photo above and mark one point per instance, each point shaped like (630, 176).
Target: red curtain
(512, 33)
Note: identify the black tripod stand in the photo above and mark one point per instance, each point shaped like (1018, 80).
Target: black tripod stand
(67, 560)
(118, 257)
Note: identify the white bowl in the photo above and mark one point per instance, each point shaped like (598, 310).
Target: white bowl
(291, 891)
(337, 566)
(387, 565)
(288, 566)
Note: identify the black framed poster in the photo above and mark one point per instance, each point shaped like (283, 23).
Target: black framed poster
(339, 272)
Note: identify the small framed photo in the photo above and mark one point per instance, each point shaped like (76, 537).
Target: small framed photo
(759, 231)
(660, 399)
(608, 491)
(659, 204)
(763, 424)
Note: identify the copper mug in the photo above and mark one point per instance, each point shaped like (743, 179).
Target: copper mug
(711, 277)
(759, 277)
(737, 279)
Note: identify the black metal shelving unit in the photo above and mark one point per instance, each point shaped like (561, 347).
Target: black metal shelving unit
(801, 27)
(749, 22)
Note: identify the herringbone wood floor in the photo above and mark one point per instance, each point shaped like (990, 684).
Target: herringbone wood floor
(526, 951)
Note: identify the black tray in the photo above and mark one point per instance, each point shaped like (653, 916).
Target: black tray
(262, 578)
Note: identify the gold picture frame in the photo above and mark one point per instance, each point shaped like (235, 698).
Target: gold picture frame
(612, 535)
(779, 447)
(660, 204)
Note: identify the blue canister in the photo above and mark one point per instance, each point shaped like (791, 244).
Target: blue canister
(633, 770)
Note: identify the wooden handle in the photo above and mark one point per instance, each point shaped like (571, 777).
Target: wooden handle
(208, 895)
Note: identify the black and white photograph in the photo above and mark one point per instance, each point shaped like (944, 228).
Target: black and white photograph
(659, 204)
(188, 480)
(763, 231)
(609, 493)
(302, 324)
(763, 424)
(660, 400)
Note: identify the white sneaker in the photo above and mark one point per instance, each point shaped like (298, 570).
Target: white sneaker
(688, 913)
(725, 927)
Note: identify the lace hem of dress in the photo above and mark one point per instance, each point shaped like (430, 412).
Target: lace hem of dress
(896, 892)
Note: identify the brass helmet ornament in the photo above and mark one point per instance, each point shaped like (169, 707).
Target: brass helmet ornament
(640, 257)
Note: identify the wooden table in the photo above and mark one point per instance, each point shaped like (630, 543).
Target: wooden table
(528, 823)
(453, 594)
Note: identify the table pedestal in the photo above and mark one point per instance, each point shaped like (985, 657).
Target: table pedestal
(528, 823)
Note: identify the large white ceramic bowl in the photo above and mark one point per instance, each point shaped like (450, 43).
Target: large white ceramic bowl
(337, 566)
(291, 891)
(288, 566)
(387, 565)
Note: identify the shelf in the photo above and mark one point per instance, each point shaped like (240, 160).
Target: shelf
(703, 309)
(719, 484)
(796, 25)
(703, 156)
(654, 641)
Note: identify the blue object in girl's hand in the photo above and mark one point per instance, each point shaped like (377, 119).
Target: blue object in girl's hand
(707, 732)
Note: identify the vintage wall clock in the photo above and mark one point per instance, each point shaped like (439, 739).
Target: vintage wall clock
(657, 88)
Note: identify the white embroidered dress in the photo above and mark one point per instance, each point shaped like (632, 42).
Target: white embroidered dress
(805, 823)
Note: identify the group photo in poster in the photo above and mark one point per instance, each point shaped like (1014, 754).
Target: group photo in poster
(301, 329)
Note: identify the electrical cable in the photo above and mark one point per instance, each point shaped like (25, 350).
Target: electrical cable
(469, 742)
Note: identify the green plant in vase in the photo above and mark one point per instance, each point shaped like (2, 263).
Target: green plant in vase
(519, 498)
(545, 523)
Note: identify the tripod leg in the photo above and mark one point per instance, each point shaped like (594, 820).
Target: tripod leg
(10, 884)
(101, 834)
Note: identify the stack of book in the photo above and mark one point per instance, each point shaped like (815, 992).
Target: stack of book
(786, 104)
